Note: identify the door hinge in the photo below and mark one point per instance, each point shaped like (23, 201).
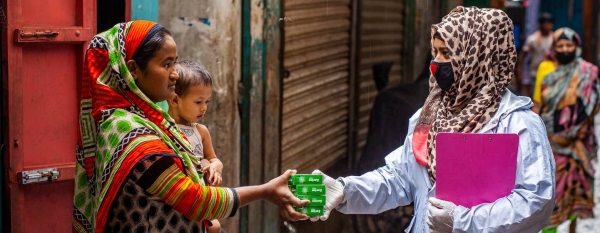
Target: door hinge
(42, 175)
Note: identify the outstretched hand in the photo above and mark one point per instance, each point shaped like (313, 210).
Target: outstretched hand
(281, 196)
(334, 195)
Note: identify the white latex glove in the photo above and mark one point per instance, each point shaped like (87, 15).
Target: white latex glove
(440, 215)
(334, 195)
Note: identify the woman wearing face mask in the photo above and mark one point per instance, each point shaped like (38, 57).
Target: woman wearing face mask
(474, 58)
(569, 103)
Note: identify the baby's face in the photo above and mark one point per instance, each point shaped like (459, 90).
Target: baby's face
(194, 103)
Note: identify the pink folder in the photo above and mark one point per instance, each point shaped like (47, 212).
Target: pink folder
(472, 169)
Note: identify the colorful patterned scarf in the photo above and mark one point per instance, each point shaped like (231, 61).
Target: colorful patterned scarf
(116, 118)
(570, 96)
(483, 57)
(555, 85)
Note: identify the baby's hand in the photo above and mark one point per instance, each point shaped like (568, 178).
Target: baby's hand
(213, 172)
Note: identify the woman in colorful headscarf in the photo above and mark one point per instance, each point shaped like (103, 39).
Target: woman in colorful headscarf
(474, 58)
(134, 171)
(569, 103)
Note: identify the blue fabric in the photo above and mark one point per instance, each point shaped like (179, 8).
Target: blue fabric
(164, 105)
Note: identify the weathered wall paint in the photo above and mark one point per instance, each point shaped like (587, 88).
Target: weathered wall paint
(272, 104)
(209, 32)
(144, 9)
(252, 102)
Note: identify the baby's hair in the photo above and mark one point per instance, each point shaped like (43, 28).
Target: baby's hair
(190, 74)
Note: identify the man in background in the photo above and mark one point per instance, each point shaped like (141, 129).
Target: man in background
(536, 45)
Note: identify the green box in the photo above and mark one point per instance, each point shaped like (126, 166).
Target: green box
(309, 189)
(314, 200)
(292, 188)
(298, 179)
(311, 211)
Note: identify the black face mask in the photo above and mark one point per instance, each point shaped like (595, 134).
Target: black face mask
(565, 57)
(443, 73)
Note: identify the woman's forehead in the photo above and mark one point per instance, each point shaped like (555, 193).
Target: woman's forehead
(565, 41)
(167, 50)
(437, 43)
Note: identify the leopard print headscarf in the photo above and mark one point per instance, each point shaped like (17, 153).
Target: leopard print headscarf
(483, 56)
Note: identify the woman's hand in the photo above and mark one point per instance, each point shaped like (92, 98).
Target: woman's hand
(334, 195)
(440, 215)
(279, 194)
(213, 172)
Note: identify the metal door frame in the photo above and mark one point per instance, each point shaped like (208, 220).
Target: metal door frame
(13, 93)
(259, 105)
(3, 227)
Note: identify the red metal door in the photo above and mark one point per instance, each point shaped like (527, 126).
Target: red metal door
(43, 47)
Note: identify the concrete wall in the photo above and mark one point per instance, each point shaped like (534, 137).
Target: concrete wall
(209, 32)
(426, 14)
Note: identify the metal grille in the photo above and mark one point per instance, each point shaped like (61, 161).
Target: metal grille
(315, 95)
(381, 39)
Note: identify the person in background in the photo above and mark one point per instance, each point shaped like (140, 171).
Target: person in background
(569, 102)
(536, 45)
(473, 62)
(546, 67)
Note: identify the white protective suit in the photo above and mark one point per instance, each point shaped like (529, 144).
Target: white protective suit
(402, 180)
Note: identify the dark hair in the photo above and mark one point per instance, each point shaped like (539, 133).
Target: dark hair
(545, 18)
(147, 50)
(190, 74)
(438, 36)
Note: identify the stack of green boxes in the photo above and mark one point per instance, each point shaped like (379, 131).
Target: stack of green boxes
(309, 187)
